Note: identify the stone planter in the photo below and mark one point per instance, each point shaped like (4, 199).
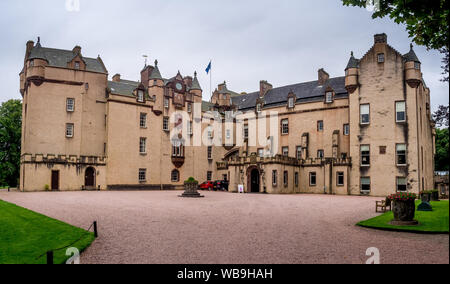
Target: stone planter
(404, 212)
(425, 197)
(191, 190)
(435, 196)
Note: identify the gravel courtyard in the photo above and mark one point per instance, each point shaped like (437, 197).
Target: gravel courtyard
(159, 227)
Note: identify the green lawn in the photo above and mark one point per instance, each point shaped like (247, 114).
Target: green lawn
(429, 222)
(25, 235)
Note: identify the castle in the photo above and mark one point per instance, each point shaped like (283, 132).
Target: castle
(368, 132)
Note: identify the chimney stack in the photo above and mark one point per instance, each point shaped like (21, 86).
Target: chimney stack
(380, 38)
(116, 78)
(264, 87)
(76, 50)
(323, 76)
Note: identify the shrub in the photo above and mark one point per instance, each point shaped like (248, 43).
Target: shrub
(402, 196)
(191, 180)
(47, 187)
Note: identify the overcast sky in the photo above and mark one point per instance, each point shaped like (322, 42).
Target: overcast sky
(282, 41)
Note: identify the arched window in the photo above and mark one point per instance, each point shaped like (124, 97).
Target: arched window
(175, 176)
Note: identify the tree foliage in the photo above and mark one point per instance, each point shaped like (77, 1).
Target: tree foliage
(441, 157)
(441, 116)
(426, 20)
(10, 139)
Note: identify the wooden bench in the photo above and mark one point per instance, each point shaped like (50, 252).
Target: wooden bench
(383, 206)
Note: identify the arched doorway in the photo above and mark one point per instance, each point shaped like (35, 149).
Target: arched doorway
(254, 181)
(89, 180)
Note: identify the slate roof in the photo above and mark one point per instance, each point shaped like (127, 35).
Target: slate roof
(305, 92)
(352, 63)
(155, 73)
(60, 58)
(124, 87)
(206, 106)
(195, 83)
(411, 56)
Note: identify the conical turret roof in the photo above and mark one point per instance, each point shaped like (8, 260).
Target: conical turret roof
(352, 63)
(411, 56)
(195, 83)
(156, 75)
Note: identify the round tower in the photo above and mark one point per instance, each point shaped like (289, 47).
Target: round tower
(351, 74)
(413, 73)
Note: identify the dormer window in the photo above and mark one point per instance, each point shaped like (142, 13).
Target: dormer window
(291, 103)
(380, 58)
(329, 97)
(258, 108)
(77, 65)
(140, 96)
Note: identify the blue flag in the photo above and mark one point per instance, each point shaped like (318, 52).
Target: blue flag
(208, 68)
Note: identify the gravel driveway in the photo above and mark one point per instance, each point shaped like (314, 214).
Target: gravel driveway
(159, 227)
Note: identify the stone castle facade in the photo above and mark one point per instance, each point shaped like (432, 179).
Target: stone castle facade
(368, 132)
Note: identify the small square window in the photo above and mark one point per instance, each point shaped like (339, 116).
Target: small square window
(383, 150)
(380, 58)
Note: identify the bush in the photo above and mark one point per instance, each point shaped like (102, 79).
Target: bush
(47, 187)
(191, 180)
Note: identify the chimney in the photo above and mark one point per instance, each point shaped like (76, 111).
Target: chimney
(264, 87)
(323, 76)
(145, 74)
(76, 50)
(188, 81)
(116, 78)
(222, 86)
(380, 38)
(30, 45)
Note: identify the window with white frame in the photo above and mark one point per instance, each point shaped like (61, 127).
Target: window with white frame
(402, 184)
(274, 177)
(312, 179)
(77, 65)
(228, 134)
(320, 154)
(177, 149)
(246, 131)
(329, 97)
(285, 151)
(210, 134)
(365, 114)
(320, 125)
(400, 111)
(70, 130)
(166, 102)
(261, 153)
(299, 152)
(140, 96)
(258, 108)
(380, 58)
(285, 126)
(70, 105)
(340, 179)
(143, 145)
(142, 175)
(291, 102)
(365, 155)
(190, 128)
(401, 154)
(346, 129)
(143, 120)
(209, 152)
(189, 107)
(166, 124)
(365, 184)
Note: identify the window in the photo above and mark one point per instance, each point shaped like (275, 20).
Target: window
(177, 149)
(346, 129)
(258, 108)
(210, 134)
(166, 102)
(175, 176)
(225, 177)
(320, 125)
(344, 155)
(261, 153)
(209, 153)
(32, 63)
(401, 184)
(312, 179)
(70, 105)
(401, 154)
(417, 65)
(69, 130)
(320, 154)
(365, 184)
(365, 114)
(274, 177)
(329, 97)
(77, 65)
(380, 58)
(189, 108)
(296, 179)
(285, 151)
(285, 127)
(190, 129)
(365, 155)
(166, 124)
(142, 175)
(340, 179)
(140, 96)
(286, 178)
(291, 103)
(400, 111)
(209, 176)
(105, 148)
(143, 120)
(143, 145)
(299, 152)
(246, 131)
(228, 134)
(383, 150)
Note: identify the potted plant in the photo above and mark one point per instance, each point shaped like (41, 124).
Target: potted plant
(190, 188)
(403, 207)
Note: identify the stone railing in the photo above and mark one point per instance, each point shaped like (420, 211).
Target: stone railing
(63, 159)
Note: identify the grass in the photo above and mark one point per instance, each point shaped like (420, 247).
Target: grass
(436, 222)
(26, 235)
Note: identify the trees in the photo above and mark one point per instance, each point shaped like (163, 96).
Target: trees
(426, 21)
(441, 116)
(10, 139)
(442, 150)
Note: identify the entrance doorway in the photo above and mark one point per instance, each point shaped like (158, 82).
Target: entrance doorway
(55, 180)
(89, 181)
(254, 181)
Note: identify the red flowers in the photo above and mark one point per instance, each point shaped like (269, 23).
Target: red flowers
(402, 196)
